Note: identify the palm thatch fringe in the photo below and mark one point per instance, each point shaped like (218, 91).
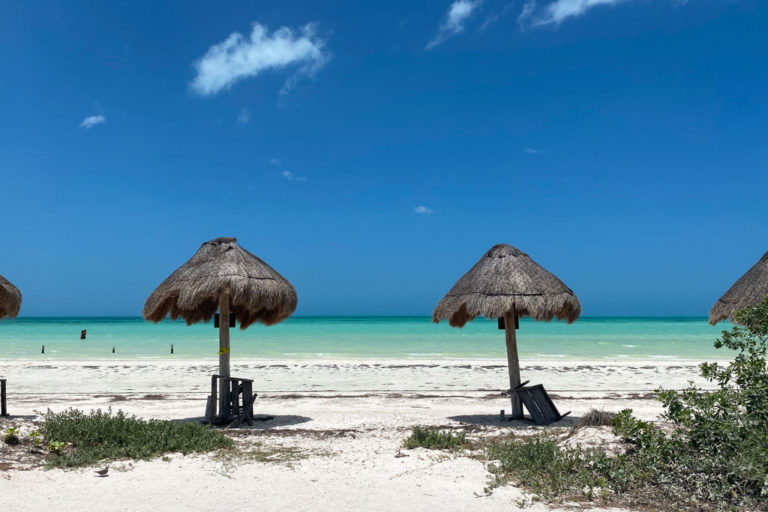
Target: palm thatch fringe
(507, 280)
(257, 292)
(10, 299)
(748, 291)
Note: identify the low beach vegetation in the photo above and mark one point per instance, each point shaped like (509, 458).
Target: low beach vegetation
(711, 452)
(435, 439)
(264, 453)
(596, 418)
(79, 439)
(548, 471)
(10, 436)
(36, 437)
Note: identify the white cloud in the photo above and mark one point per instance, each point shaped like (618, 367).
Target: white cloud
(532, 151)
(558, 11)
(91, 121)
(239, 57)
(276, 162)
(455, 18)
(525, 14)
(244, 116)
(292, 177)
(495, 16)
(423, 210)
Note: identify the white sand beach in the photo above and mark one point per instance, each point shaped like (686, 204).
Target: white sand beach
(336, 435)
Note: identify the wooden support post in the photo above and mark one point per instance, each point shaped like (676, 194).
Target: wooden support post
(223, 350)
(514, 364)
(3, 408)
(224, 334)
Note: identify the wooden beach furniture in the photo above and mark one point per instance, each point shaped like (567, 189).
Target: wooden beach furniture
(235, 398)
(539, 404)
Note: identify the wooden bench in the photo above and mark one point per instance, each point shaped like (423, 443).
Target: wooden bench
(237, 407)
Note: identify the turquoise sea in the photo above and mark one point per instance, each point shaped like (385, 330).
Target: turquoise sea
(361, 337)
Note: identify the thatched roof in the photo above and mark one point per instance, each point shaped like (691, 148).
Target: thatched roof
(506, 280)
(258, 293)
(10, 299)
(748, 291)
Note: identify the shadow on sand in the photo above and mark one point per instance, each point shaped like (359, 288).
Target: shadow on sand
(493, 420)
(18, 417)
(261, 421)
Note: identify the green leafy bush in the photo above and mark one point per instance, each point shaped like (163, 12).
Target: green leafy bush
(722, 435)
(105, 436)
(713, 456)
(433, 438)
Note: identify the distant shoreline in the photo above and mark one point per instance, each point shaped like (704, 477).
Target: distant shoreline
(598, 338)
(383, 317)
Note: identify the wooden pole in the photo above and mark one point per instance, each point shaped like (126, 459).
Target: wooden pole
(514, 364)
(224, 351)
(3, 408)
(224, 334)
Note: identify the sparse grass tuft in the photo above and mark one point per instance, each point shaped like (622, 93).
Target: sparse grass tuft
(596, 418)
(547, 470)
(434, 439)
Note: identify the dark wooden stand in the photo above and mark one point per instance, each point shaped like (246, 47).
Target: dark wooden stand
(538, 403)
(3, 408)
(235, 398)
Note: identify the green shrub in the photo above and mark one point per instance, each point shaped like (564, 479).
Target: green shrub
(722, 435)
(714, 456)
(105, 436)
(434, 439)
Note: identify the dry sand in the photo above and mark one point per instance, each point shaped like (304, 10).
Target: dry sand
(336, 437)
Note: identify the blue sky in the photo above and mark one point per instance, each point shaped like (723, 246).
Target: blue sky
(371, 152)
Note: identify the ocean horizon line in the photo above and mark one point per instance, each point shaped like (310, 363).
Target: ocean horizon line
(298, 317)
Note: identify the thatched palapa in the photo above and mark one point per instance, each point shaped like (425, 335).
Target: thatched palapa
(10, 299)
(224, 276)
(748, 291)
(257, 292)
(506, 283)
(507, 280)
